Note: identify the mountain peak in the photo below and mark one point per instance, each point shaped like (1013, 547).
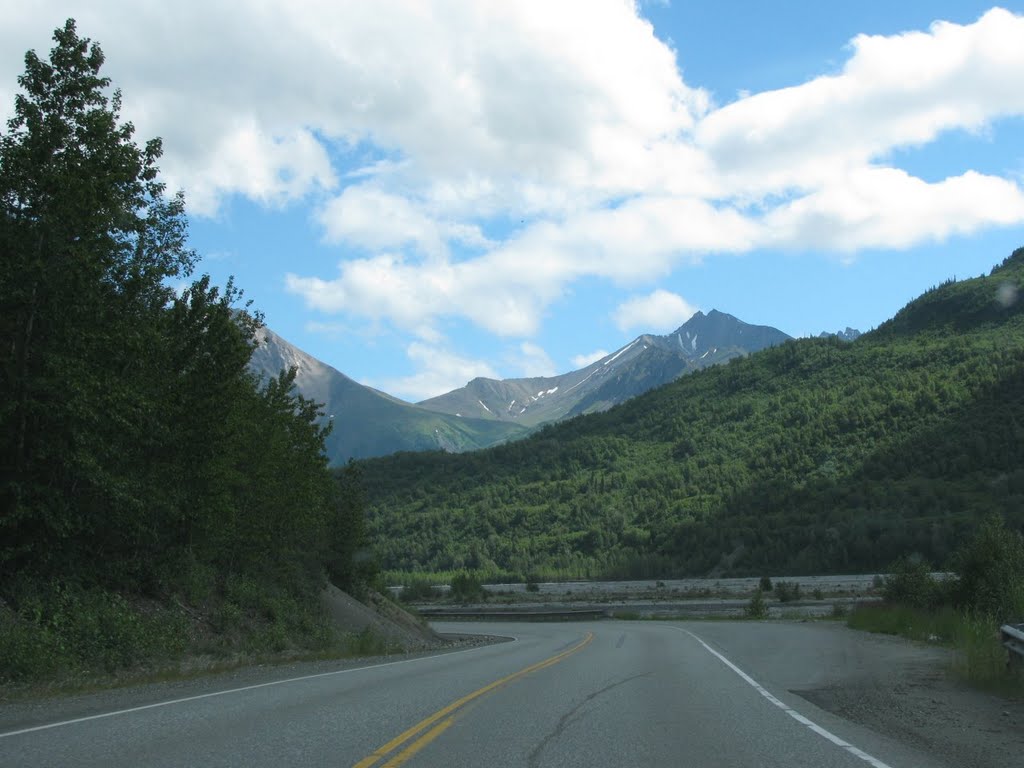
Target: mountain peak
(718, 332)
(850, 334)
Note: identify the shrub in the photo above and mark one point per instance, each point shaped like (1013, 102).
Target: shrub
(787, 591)
(766, 584)
(28, 650)
(466, 588)
(369, 642)
(64, 626)
(990, 571)
(532, 586)
(757, 608)
(911, 583)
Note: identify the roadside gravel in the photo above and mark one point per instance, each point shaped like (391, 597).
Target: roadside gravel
(923, 706)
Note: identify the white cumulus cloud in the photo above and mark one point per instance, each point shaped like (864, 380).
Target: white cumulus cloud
(659, 312)
(585, 359)
(438, 370)
(415, 130)
(531, 361)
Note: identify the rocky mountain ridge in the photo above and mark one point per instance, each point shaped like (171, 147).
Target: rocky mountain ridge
(649, 361)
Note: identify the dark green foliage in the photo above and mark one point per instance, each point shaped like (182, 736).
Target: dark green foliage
(990, 572)
(466, 588)
(965, 610)
(418, 591)
(910, 582)
(351, 565)
(987, 581)
(757, 608)
(60, 626)
(87, 240)
(787, 591)
(139, 459)
(766, 584)
(814, 456)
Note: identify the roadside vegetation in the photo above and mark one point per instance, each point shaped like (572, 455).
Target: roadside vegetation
(156, 499)
(963, 610)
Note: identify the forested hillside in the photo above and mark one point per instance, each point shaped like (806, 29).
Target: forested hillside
(818, 455)
(147, 478)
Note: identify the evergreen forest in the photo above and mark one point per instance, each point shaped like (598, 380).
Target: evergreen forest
(149, 485)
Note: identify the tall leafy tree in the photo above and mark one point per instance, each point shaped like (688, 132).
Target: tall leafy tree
(134, 440)
(88, 241)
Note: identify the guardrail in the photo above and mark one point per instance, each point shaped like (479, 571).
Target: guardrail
(1013, 641)
(471, 615)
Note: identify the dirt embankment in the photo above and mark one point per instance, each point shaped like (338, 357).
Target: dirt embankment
(379, 616)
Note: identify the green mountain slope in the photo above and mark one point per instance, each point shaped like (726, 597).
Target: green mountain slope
(367, 422)
(816, 455)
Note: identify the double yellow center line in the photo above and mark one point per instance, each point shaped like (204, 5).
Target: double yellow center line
(439, 722)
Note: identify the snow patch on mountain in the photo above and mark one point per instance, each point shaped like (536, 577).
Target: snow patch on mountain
(620, 352)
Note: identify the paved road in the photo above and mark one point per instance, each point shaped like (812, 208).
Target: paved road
(600, 694)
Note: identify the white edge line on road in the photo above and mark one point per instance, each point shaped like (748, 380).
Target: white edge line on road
(873, 761)
(243, 688)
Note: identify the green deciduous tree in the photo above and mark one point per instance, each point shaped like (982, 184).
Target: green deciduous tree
(88, 241)
(134, 439)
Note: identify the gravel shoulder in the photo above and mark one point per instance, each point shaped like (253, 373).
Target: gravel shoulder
(896, 687)
(922, 705)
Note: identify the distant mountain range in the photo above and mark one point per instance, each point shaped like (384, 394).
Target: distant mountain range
(368, 422)
(647, 362)
(485, 412)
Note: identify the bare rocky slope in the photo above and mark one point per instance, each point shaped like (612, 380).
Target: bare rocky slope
(379, 616)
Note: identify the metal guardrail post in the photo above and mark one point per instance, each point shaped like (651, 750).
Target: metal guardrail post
(1013, 641)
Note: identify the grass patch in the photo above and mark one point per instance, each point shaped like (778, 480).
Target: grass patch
(938, 626)
(979, 657)
(67, 636)
(627, 615)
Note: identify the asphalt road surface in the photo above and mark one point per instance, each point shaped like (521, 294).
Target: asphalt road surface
(607, 693)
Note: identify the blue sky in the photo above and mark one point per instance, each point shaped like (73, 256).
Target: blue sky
(420, 192)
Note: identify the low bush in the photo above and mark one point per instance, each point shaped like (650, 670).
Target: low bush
(466, 588)
(61, 627)
(910, 583)
(990, 573)
(417, 591)
(757, 608)
(787, 591)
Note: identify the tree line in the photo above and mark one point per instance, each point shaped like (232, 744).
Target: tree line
(137, 450)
